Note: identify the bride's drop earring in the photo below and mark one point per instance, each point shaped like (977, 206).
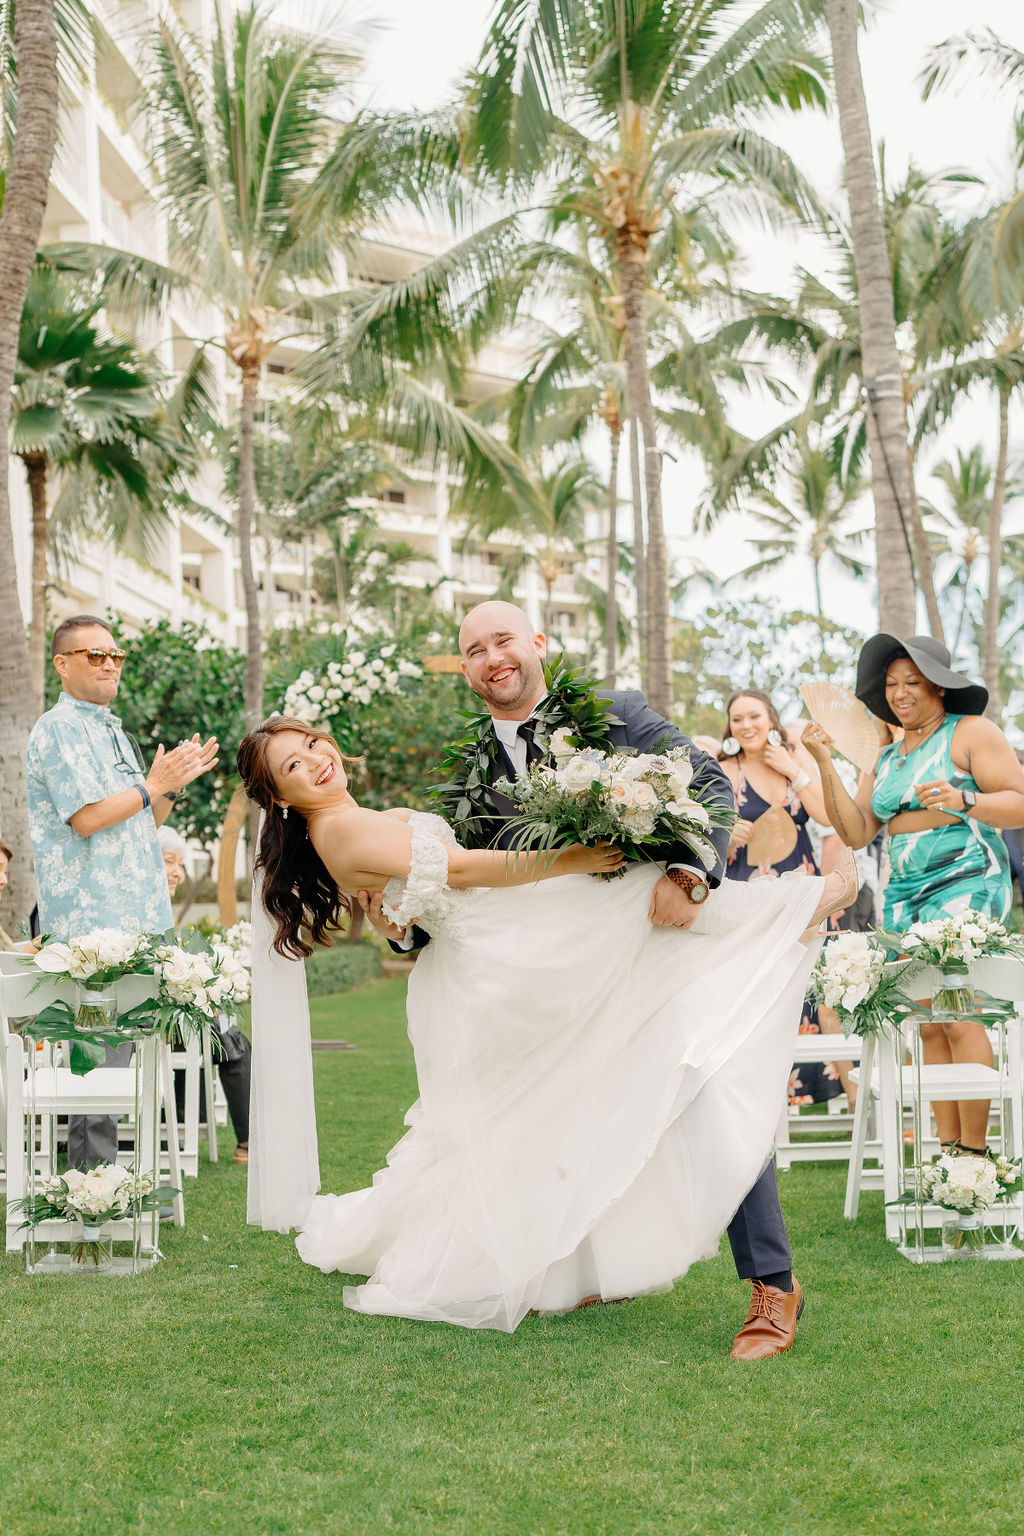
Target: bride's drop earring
(730, 746)
(284, 813)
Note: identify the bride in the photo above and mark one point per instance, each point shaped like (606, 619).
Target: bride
(597, 1095)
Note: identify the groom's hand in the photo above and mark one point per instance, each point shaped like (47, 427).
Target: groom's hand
(671, 906)
(371, 905)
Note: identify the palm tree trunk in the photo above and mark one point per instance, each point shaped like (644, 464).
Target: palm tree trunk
(816, 564)
(246, 508)
(990, 647)
(883, 380)
(633, 286)
(35, 472)
(28, 176)
(923, 555)
(639, 548)
(611, 612)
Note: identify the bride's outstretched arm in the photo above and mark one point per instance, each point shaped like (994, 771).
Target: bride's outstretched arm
(363, 848)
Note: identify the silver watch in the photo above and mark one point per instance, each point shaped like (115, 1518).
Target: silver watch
(969, 798)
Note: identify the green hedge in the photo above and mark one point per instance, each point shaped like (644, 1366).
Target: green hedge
(340, 967)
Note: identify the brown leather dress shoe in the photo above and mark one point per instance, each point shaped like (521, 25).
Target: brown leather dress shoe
(241, 1154)
(770, 1327)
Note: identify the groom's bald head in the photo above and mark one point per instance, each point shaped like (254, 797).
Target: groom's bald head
(501, 657)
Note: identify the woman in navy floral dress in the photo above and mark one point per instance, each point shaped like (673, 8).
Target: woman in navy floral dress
(766, 771)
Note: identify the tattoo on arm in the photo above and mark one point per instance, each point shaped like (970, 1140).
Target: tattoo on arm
(831, 778)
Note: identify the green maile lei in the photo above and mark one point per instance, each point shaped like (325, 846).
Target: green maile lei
(474, 762)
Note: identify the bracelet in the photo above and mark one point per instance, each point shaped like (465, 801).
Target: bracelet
(144, 792)
(801, 781)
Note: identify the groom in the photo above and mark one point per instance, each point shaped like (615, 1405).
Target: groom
(502, 662)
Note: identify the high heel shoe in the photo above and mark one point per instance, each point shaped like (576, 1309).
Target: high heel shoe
(843, 897)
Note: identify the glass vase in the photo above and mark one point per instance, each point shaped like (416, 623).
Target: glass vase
(93, 1252)
(96, 1008)
(954, 996)
(963, 1234)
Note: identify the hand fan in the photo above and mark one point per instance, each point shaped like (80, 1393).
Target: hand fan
(773, 837)
(847, 721)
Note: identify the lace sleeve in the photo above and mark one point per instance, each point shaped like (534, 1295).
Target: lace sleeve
(424, 889)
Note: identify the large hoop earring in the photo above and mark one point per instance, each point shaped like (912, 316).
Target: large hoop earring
(730, 746)
(774, 738)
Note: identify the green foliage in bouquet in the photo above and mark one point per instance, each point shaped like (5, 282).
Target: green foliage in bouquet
(473, 763)
(640, 802)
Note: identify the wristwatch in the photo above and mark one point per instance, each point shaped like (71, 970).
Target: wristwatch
(696, 888)
(969, 798)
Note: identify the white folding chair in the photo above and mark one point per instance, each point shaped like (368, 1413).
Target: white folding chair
(195, 1060)
(830, 1144)
(55, 1091)
(888, 1080)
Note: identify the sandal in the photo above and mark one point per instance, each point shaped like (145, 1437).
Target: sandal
(846, 869)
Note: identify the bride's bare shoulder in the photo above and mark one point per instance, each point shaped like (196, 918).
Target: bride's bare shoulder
(399, 812)
(357, 842)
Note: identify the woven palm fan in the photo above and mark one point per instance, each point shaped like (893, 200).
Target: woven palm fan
(847, 721)
(772, 838)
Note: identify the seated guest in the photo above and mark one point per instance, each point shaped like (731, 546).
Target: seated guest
(234, 1061)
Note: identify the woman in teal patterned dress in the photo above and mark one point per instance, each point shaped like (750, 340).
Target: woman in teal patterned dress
(944, 793)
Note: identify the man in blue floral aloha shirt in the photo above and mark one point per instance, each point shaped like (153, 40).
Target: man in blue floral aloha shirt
(93, 813)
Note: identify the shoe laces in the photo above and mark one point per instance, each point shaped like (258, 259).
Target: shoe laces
(764, 1303)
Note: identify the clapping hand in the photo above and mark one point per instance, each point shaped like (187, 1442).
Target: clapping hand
(171, 771)
(939, 795)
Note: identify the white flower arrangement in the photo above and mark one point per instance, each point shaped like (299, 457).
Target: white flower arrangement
(638, 801)
(105, 1193)
(358, 679)
(952, 943)
(96, 958)
(960, 1181)
(856, 975)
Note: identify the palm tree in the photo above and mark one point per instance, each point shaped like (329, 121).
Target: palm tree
(960, 531)
(609, 112)
(812, 521)
(26, 189)
(891, 480)
(88, 409)
(240, 122)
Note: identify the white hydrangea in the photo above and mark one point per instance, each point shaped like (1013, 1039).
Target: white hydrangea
(850, 970)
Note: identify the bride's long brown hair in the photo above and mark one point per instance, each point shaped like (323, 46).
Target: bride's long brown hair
(298, 891)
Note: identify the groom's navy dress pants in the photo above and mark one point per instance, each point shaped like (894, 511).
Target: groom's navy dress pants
(757, 1233)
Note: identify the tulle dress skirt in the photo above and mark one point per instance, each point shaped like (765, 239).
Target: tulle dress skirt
(596, 1097)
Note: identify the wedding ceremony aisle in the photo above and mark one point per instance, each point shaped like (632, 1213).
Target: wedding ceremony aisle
(228, 1390)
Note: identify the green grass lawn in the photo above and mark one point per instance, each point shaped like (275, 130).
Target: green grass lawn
(229, 1391)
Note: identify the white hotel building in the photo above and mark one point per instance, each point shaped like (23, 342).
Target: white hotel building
(101, 192)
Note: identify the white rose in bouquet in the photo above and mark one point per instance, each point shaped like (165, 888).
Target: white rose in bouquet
(561, 747)
(579, 774)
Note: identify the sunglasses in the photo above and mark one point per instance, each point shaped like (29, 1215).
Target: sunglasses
(96, 655)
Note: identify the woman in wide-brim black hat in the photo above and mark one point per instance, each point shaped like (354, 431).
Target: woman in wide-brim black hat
(944, 792)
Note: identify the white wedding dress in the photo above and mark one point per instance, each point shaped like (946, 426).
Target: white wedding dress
(597, 1095)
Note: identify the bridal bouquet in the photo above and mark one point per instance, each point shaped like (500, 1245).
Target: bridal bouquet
(107, 1192)
(640, 801)
(857, 976)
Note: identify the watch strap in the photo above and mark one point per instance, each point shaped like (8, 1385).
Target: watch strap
(687, 881)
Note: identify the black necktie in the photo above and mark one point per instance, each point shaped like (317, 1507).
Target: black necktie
(527, 733)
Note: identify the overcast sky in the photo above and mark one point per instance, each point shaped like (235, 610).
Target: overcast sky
(416, 51)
